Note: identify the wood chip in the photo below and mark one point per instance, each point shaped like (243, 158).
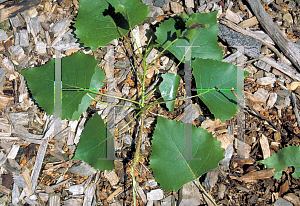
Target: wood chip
(70, 51)
(7, 65)
(17, 53)
(287, 47)
(116, 192)
(79, 130)
(176, 7)
(60, 26)
(189, 3)
(255, 175)
(3, 35)
(73, 202)
(142, 194)
(266, 80)
(83, 169)
(5, 190)
(15, 194)
(76, 189)
(89, 196)
(40, 48)
(13, 152)
(112, 177)
(265, 146)
(284, 188)
(253, 98)
(248, 23)
(292, 86)
(293, 198)
(55, 123)
(233, 16)
(18, 7)
(54, 199)
(225, 139)
(189, 194)
(289, 71)
(23, 38)
(271, 101)
(243, 149)
(27, 190)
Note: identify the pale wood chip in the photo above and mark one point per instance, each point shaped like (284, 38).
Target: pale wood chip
(5, 190)
(265, 146)
(116, 192)
(54, 199)
(176, 7)
(89, 195)
(255, 175)
(112, 177)
(248, 23)
(225, 139)
(27, 190)
(293, 198)
(54, 124)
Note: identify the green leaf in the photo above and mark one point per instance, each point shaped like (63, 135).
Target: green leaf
(99, 22)
(286, 157)
(210, 74)
(205, 38)
(92, 145)
(189, 34)
(167, 161)
(168, 88)
(78, 71)
(184, 17)
(134, 11)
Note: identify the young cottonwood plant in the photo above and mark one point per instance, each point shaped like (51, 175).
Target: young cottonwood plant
(98, 23)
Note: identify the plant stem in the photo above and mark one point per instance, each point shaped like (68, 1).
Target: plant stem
(174, 100)
(117, 105)
(138, 146)
(137, 155)
(130, 121)
(107, 95)
(206, 193)
(144, 83)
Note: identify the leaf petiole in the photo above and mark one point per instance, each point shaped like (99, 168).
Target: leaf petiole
(185, 98)
(130, 121)
(107, 95)
(117, 105)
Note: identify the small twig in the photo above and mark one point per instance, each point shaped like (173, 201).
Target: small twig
(253, 60)
(254, 110)
(106, 95)
(158, 114)
(116, 105)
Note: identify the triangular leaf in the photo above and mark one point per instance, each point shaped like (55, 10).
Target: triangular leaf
(210, 74)
(78, 71)
(205, 38)
(286, 157)
(99, 22)
(134, 11)
(168, 88)
(92, 145)
(167, 161)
